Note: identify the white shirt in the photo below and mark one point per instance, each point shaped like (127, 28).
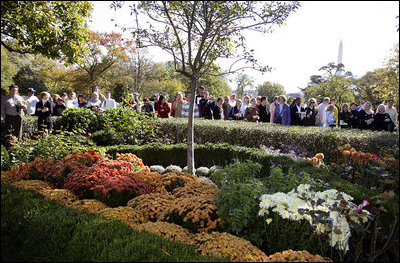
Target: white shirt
(321, 115)
(393, 114)
(71, 103)
(232, 103)
(32, 100)
(94, 103)
(109, 104)
(244, 106)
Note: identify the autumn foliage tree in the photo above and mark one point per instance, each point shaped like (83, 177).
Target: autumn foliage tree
(105, 49)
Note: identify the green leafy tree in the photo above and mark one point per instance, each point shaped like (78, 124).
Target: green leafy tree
(270, 90)
(8, 70)
(243, 81)
(27, 78)
(335, 82)
(197, 33)
(55, 29)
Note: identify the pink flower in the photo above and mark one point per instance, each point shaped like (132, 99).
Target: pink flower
(375, 156)
(365, 203)
(359, 209)
(89, 134)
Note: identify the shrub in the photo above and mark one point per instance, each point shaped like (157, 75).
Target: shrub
(238, 171)
(125, 214)
(133, 159)
(196, 213)
(224, 244)
(32, 170)
(60, 170)
(202, 171)
(50, 146)
(5, 159)
(313, 139)
(110, 181)
(168, 230)
(113, 126)
(296, 256)
(174, 180)
(158, 168)
(173, 168)
(118, 190)
(87, 157)
(331, 213)
(34, 229)
(152, 205)
(237, 204)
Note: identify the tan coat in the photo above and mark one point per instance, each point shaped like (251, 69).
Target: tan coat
(178, 108)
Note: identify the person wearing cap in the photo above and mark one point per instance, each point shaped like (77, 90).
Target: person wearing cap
(12, 107)
(392, 113)
(31, 100)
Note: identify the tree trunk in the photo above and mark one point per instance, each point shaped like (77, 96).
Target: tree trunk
(190, 129)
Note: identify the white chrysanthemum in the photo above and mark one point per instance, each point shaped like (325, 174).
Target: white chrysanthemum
(320, 228)
(263, 212)
(303, 188)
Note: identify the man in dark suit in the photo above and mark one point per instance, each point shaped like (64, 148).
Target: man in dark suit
(295, 112)
(264, 110)
(44, 111)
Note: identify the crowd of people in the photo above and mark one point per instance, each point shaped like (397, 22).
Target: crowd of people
(256, 109)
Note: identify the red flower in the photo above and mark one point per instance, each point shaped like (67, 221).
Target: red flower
(375, 156)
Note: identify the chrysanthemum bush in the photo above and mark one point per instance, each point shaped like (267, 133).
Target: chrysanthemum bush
(368, 169)
(225, 244)
(60, 170)
(296, 256)
(331, 213)
(113, 186)
(152, 206)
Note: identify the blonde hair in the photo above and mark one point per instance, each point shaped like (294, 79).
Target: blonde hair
(283, 97)
(44, 93)
(330, 107)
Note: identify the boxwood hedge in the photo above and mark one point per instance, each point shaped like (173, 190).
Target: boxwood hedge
(36, 229)
(313, 139)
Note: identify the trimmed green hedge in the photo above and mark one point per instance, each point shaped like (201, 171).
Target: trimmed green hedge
(313, 139)
(36, 229)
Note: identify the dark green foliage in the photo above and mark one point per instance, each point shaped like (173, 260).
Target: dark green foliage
(50, 145)
(313, 139)
(5, 159)
(35, 229)
(121, 125)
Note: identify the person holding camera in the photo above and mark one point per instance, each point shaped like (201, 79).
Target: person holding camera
(44, 111)
(12, 107)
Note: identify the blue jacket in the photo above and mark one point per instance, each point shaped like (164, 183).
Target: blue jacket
(285, 114)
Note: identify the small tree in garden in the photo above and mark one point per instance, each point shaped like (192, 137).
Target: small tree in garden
(197, 33)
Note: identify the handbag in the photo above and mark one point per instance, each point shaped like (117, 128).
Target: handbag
(279, 118)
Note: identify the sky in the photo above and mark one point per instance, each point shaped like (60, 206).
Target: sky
(308, 40)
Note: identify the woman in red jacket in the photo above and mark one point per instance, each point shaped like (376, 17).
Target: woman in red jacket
(162, 108)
